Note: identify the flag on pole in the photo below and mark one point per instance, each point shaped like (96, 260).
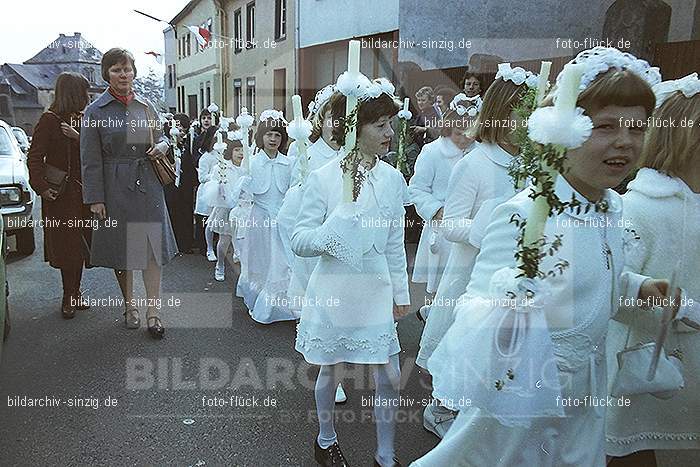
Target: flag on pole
(202, 35)
(157, 56)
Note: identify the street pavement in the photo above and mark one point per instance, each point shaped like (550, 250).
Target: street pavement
(219, 389)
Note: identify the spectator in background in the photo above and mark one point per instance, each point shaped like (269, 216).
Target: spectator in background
(471, 84)
(443, 97)
(426, 128)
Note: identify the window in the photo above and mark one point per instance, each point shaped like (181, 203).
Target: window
(201, 95)
(188, 44)
(237, 31)
(250, 25)
(171, 77)
(208, 93)
(250, 95)
(280, 19)
(237, 96)
(179, 49)
(4, 105)
(279, 84)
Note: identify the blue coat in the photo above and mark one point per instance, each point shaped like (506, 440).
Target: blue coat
(116, 171)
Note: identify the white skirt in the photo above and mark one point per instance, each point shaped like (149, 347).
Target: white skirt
(201, 206)
(347, 316)
(428, 267)
(452, 286)
(218, 221)
(264, 283)
(477, 440)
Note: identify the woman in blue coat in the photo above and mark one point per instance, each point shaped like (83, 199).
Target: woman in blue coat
(119, 137)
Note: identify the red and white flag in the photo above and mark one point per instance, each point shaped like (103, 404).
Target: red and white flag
(157, 56)
(202, 35)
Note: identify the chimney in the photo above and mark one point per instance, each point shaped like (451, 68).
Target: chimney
(76, 34)
(61, 35)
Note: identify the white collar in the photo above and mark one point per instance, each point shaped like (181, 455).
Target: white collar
(324, 148)
(448, 148)
(280, 159)
(497, 154)
(565, 192)
(655, 184)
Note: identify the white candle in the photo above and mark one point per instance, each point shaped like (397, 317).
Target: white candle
(545, 68)
(354, 57)
(296, 106)
(567, 89)
(219, 138)
(405, 104)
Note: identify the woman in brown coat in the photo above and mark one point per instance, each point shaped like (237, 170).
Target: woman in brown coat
(66, 220)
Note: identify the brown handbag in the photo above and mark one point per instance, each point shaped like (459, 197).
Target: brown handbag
(164, 169)
(56, 178)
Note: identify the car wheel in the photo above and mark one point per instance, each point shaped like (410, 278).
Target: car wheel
(25, 241)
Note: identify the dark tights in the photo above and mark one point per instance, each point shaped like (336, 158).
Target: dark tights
(71, 277)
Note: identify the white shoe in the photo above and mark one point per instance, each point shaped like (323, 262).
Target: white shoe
(219, 274)
(340, 396)
(438, 419)
(211, 256)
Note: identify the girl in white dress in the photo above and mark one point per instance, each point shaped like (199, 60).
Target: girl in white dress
(263, 285)
(663, 207)
(321, 152)
(524, 361)
(222, 192)
(427, 190)
(204, 165)
(360, 284)
(478, 177)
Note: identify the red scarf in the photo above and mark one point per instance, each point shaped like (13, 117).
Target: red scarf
(123, 99)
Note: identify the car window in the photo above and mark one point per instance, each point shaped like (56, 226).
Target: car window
(21, 137)
(6, 146)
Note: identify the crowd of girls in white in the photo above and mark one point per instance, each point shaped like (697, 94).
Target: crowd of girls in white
(339, 266)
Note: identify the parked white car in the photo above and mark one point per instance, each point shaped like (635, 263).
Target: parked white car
(16, 196)
(21, 138)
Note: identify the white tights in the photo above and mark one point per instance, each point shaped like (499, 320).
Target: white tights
(387, 379)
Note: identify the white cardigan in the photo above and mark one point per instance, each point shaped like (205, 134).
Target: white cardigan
(427, 188)
(481, 175)
(655, 206)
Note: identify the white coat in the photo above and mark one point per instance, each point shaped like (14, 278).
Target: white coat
(562, 342)
(478, 177)
(427, 190)
(347, 312)
(263, 285)
(655, 207)
(319, 154)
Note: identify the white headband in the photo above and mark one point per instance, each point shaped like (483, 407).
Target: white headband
(688, 85)
(272, 114)
(320, 98)
(517, 75)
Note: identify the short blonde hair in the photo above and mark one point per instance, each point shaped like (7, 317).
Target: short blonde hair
(672, 149)
(427, 92)
(498, 103)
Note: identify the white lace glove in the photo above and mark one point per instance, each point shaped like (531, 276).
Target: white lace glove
(341, 235)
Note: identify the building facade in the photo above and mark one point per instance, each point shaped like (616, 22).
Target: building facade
(27, 89)
(197, 70)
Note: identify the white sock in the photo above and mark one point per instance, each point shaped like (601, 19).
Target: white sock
(324, 393)
(387, 379)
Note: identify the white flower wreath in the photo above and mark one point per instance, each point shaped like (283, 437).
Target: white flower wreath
(517, 75)
(272, 114)
(600, 59)
(361, 87)
(320, 98)
(688, 85)
(213, 108)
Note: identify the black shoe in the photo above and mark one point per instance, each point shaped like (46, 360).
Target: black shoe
(155, 327)
(396, 463)
(67, 311)
(81, 305)
(330, 457)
